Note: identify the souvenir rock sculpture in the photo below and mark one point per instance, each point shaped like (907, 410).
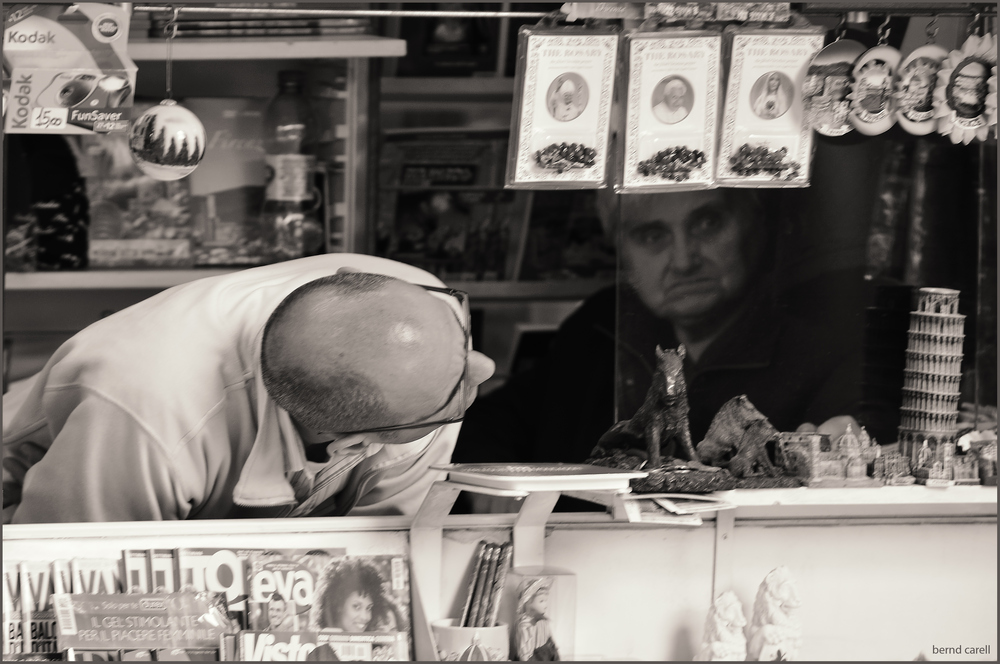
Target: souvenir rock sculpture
(660, 424)
(724, 640)
(775, 631)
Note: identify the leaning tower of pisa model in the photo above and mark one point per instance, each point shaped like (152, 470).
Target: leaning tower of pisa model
(932, 379)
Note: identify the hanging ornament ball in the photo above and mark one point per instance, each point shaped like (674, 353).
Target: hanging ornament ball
(167, 141)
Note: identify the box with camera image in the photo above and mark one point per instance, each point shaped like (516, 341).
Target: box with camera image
(70, 72)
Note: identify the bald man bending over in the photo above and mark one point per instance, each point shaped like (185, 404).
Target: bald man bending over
(317, 387)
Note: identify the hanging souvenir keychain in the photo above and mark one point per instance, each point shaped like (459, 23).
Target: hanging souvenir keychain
(828, 82)
(915, 83)
(965, 100)
(873, 107)
(167, 141)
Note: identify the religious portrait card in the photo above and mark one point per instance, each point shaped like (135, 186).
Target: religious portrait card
(672, 111)
(765, 140)
(560, 127)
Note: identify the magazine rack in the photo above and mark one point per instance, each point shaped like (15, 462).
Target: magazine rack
(426, 534)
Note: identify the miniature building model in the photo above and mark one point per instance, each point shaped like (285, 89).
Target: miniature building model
(931, 384)
(829, 463)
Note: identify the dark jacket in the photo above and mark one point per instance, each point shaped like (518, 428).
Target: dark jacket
(791, 370)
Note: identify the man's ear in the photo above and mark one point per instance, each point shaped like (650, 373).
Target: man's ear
(481, 367)
(347, 269)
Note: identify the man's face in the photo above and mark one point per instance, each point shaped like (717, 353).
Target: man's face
(684, 253)
(275, 611)
(674, 95)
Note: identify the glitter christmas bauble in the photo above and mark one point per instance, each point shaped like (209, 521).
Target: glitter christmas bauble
(167, 141)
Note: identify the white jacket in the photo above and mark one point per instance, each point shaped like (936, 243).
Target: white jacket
(159, 412)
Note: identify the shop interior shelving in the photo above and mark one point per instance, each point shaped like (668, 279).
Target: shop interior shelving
(344, 46)
(570, 289)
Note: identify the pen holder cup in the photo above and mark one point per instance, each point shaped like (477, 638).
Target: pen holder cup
(468, 643)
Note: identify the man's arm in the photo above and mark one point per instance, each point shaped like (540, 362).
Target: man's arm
(101, 466)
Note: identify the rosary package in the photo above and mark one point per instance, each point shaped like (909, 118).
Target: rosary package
(766, 141)
(560, 127)
(672, 111)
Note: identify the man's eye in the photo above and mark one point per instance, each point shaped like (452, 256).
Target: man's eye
(706, 225)
(649, 236)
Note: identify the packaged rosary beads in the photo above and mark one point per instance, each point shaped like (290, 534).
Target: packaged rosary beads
(560, 127)
(672, 103)
(765, 139)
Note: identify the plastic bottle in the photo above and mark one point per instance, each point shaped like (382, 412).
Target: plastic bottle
(291, 224)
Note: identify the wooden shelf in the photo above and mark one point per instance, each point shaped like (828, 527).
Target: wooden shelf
(273, 48)
(106, 279)
(479, 291)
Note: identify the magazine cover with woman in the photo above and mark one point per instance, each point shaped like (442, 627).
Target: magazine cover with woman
(358, 606)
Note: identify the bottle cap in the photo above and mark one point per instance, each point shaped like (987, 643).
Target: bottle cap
(291, 77)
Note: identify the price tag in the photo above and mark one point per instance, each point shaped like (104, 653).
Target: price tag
(51, 119)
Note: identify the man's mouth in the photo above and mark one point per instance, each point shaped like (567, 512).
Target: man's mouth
(691, 287)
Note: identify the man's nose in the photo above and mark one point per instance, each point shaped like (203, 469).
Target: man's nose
(686, 255)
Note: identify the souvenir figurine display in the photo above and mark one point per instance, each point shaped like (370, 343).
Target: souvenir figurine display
(737, 440)
(965, 100)
(775, 632)
(724, 640)
(656, 433)
(821, 462)
(533, 634)
(672, 110)
(928, 426)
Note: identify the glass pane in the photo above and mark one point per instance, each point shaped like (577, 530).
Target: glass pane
(800, 299)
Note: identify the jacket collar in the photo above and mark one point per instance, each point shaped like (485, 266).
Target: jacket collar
(262, 480)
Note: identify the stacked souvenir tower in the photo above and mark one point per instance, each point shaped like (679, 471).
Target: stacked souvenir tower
(931, 383)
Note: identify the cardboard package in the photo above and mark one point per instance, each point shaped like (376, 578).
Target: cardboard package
(70, 72)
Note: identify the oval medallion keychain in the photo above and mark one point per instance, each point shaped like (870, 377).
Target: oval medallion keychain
(965, 100)
(828, 82)
(872, 104)
(915, 83)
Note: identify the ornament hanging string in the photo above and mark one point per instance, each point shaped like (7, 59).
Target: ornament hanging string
(931, 30)
(171, 31)
(841, 30)
(884, 30)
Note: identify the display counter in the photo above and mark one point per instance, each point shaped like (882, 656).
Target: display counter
(883, 573)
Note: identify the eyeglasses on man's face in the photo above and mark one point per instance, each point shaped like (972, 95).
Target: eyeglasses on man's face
(460, 395)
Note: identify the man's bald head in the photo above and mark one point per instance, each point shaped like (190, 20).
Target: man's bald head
(355, 351)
